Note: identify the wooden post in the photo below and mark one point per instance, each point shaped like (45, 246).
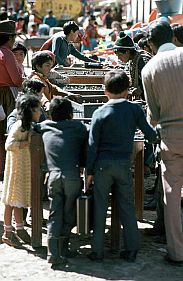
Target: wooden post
(137, 10)
(143, 11)
(150, 6)
(139, 179)
(36, 191)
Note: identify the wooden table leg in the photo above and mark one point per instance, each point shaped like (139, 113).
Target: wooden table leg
(139, 180)
(36, 192)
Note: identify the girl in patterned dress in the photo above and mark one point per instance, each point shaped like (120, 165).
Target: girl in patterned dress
(17, 176)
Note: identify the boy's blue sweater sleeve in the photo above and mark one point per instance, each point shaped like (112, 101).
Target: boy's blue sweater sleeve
(79, 55)
(93, 143)
(149, 132)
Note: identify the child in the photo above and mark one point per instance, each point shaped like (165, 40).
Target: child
(29, 87)
(16, 193)
(33, 30)
(91, 35)
(109, 161)
(20, 52)
(62, 45)
(63, 140)
(42, 64)
(33, 86)
(20, 25)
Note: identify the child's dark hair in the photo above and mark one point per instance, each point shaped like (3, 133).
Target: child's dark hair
(70, 26)
(39, 58)
(24, 106)
(116, 81)
(32, 86)
(17, 46)
(60, 109)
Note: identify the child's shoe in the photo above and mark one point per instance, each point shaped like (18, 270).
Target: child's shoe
(11, 239)
(24, 236)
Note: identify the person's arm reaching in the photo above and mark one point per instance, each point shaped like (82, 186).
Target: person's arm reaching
(79, 55)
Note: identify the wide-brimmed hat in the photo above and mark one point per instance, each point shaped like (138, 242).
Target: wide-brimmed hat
(124, 42)
(7, 27)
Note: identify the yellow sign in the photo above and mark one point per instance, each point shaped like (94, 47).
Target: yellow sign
(62, 9)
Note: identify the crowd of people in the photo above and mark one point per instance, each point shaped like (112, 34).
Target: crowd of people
(36, 103)
(29, 22)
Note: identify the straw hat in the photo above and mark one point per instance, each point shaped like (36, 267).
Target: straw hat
(7, 27)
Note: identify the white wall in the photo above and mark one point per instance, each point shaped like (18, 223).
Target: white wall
(140, 9)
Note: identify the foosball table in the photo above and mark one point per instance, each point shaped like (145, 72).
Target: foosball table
(82, 89)
(92, 97)
(85, 110)
(83, 75)
(37, 157)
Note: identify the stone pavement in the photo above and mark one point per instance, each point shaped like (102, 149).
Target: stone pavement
(30, 264)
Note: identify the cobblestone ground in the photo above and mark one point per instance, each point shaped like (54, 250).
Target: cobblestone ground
(30, 264)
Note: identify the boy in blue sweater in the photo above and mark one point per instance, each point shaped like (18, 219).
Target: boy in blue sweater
(64, 140)
(109, 156)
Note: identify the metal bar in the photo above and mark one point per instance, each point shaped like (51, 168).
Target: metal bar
(150, 6)
(137, 10)
(139, 179)
(143, 10)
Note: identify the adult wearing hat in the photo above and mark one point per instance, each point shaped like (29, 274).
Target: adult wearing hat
(11, 76)
(126, 51)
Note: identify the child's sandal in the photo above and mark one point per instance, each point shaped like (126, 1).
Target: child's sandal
(12, 240)
(24, 236)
